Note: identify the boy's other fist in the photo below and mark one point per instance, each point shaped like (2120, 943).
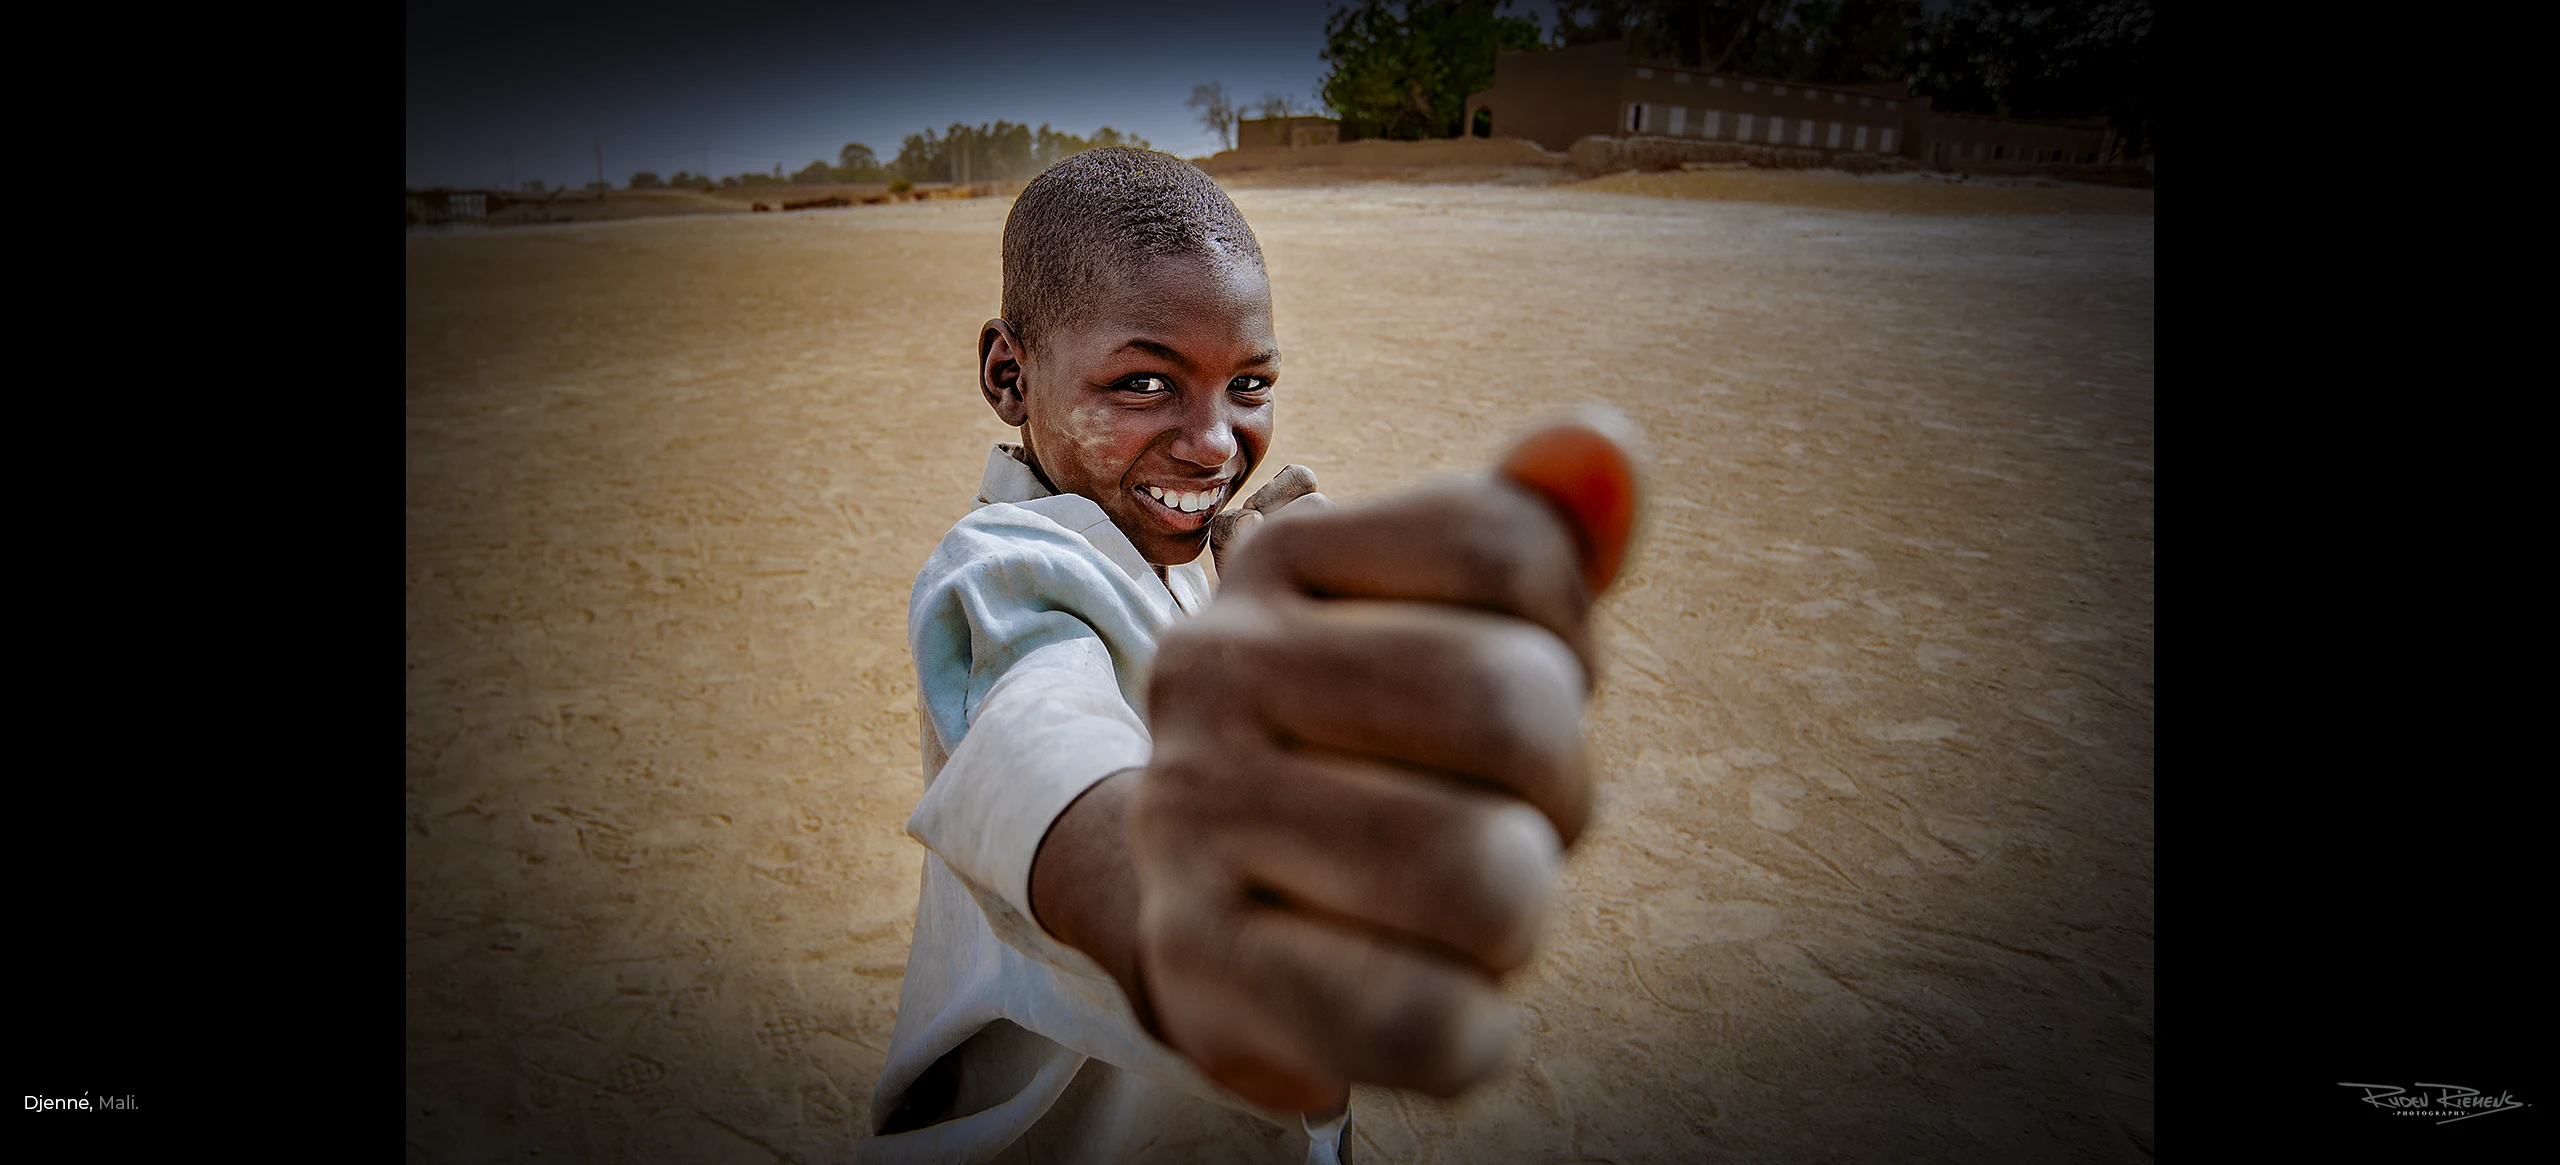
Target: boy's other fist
(1294, 483)
(1367, 764)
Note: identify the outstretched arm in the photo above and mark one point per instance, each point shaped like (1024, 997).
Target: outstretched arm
(1366, 765)
(1084, 885)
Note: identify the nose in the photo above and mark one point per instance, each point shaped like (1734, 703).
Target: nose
(1206, 436)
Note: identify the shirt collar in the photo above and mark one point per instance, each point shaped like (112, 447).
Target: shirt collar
(1009, 477)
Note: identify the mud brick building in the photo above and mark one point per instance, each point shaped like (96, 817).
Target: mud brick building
(1556, 97)
(1286, 131)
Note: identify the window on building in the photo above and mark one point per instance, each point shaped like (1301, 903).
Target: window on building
(1645, 73)
(1679, 78)
(1679, 121)
(1834, 141)
(1839, 99)
(1635, 117)
(1804, 131)
(1715, 82)
(1742, 128)
(1866, 101)
(1780, 90)
(1999, 152)
(1777, 131)
(1714, 124)
(1862, 139)
(1886, 146)
(1893, 105)
(1751, 86)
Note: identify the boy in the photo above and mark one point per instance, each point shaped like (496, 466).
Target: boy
(1197, 867)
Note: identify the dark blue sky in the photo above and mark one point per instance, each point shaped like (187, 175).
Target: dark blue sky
(762, 83)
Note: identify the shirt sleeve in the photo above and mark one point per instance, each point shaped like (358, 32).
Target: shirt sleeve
(1027, 645)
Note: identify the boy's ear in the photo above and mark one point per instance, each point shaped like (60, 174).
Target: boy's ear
(1000, 372)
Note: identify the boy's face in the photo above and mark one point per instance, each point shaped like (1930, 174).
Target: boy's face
(1158, 406)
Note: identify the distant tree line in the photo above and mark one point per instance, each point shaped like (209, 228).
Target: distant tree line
(1403, 68)
(1001, 151)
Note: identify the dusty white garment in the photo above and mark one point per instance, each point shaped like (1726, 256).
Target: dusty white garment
(1033, 624)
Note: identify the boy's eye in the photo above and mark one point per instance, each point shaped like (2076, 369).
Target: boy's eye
(1248, 384)
(1147, 385)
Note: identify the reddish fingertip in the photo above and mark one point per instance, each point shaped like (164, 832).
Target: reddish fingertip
(1591, 477)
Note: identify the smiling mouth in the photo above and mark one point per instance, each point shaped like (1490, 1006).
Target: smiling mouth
(1184, 509)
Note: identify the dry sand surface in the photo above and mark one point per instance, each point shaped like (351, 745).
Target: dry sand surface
(1438, 174)
(1906, 193)
(579, 206)
(1872, 879)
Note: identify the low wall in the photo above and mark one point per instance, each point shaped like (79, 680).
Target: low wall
(1597, 156)
(1387, 154)
(2137, 177)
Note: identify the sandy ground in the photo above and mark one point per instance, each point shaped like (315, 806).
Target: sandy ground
(1448, 174)
(579, 206)
(1873, 876)
(1904, 193)
(1917, 193)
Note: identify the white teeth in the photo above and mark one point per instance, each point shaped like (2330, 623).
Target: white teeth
(1188, 503)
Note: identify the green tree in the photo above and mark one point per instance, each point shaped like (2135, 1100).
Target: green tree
(1217, 114)
(813, 173)
(2019, 58)
(1838, 42)
(998, 151)
(856, 163)
(644, 180)
(1403, 69)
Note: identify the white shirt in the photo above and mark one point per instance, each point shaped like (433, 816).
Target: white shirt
(1033, 624)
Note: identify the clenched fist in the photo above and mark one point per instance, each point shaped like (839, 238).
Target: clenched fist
(1367, 763)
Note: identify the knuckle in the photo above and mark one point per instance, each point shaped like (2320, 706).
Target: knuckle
(1261, 558)
(1512, 545)
(1431, 1028)
(1183, 653)
(1530, 686)
(1515, 858)
(1493, 873)
(1496, 562)
(1201, 658)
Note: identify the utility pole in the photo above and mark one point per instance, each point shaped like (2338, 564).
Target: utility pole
(706, 163)
(600, 186)
(511, 169)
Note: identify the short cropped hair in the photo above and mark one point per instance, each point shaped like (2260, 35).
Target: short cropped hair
(1095, 217)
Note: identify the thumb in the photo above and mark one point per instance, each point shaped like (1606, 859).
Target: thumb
(1586, 462)
(1229, 531)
